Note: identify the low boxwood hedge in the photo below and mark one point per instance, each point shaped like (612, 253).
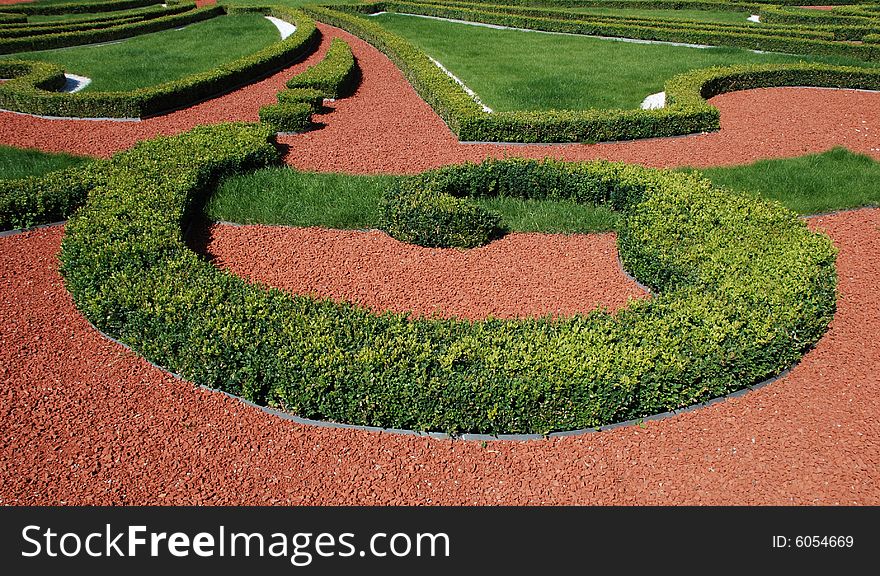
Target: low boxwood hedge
(774, 22)
(682, 25)
(93, 35)
(698, 33)
(29, 92)
(89, 24)
(314, 98)
(288, 116)
(686, 111)
(54, 197)
(741, 287)
(77, 7)
(336, 76)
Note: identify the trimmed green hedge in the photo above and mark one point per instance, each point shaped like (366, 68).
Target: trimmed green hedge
(697, 33)
(686, 111)
(12, 19)
(65, 26)
(29, 92)
(742, 290)
(77, 7)
(666, 22)
(28, 31)
(97, 35)
(842, 28)
(288, 116)
(419, 214)
(54, 197)
(314, 98)
(336, 76)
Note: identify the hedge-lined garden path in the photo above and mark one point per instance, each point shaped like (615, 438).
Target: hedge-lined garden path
(386, 127)
(104, 137)
(86, 422)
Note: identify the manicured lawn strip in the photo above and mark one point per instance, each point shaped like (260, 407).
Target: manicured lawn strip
(163, 56)
(812, 184)
(291, 198)
(513, 70)
(23, 162)
(816, 183)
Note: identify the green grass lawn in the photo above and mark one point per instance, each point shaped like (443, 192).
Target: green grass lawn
(834, 180)
(21, 162)
(155, 58)
(515, 70)
(812, 184)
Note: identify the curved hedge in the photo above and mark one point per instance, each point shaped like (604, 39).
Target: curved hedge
(94, 35)
(77, 7)
(743, 288)
(686, 111)
(97, 23)
(29, 92)
(336, 76)
(54, 197)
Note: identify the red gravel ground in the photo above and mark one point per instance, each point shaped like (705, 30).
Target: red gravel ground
(85, 422)
(386, 127)
(519, 275)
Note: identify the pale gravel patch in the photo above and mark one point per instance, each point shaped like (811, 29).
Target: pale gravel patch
(285, 28)
(654, 101)
(461, 83)
(74, 83)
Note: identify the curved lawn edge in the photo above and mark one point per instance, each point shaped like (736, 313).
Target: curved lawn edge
(744, 290)
(34, 87)
(686, 110)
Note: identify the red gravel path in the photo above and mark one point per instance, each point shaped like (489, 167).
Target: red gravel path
(386, 127)
(519, 275)
(82, 421)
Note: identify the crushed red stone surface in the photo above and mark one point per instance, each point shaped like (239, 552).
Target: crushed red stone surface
(83, 421)
(86, 422)
(518, 275)
(386, 127)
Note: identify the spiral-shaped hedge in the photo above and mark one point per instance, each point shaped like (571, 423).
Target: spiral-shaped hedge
(742, 290)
